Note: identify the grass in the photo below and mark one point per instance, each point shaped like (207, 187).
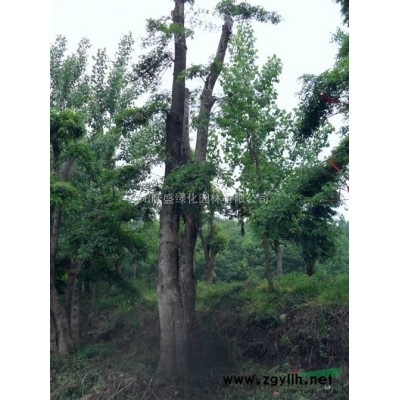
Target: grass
(242, 329)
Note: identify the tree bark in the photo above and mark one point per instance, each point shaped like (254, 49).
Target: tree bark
(210, 268)
(278, 252)
(185, 135)
(174, 354)
(268, 268)
(187, 282)
(64, 343)
(73, 304)
(209, 252)
(86, 305)
(61, 334)
(207, 100)
(169, 299)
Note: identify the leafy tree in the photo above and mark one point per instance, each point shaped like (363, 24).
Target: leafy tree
(259, 140)
(249, 117)
(305, 206)
(321, 97)
(93, 233)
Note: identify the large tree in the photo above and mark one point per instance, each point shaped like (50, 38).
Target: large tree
(176, 282)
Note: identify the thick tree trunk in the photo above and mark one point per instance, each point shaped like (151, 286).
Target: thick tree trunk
(176, 283)
(278, 252)
(169, 299)
(268, 268)
(174, 354)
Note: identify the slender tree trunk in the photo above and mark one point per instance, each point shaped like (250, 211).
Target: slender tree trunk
(268, 267)
(209, 252)
(210, 268)
(185, 135)
(206, 255)
(73, 295)
(310, 266)
(61, 338)
(278, 252)
(86, 306)
(61, 333)
(53, 336)
(207, 100)
(135, 271)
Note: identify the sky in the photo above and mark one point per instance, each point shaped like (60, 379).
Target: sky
(302, 40)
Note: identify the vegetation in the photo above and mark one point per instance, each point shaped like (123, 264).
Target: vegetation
(243, 329)
(159, 288)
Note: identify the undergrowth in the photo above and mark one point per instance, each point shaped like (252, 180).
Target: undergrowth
(242, 329)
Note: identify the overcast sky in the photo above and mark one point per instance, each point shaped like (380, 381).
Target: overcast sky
(301, 40)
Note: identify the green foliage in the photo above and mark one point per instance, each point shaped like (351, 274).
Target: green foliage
(126, 177)
(277, 217)
(344, 5)
(339, 262)
(69, 85)
(192, 178)
(114, 143)
(253, 299)
(155, 26)
(245, 11)
(61, 192)
(254, 130)
(65, 126)
(100, 225)
(326, 94)
(243, 258)
(80, 152)
(195, 71)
